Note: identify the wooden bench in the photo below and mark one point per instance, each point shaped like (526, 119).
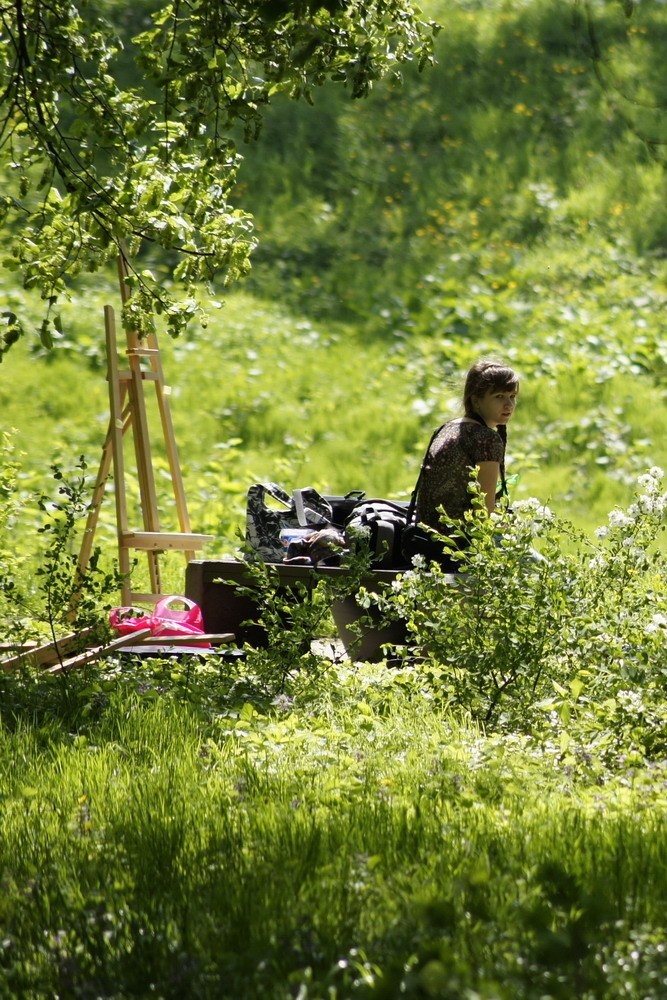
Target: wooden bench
(213, 585)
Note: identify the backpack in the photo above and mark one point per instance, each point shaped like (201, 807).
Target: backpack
(379, 524)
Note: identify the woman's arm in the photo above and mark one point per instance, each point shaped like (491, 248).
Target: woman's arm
(487, 478)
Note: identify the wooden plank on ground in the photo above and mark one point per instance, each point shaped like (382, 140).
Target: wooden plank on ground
(214, 638)
(97, 651)
(52, 654)
(49, 652)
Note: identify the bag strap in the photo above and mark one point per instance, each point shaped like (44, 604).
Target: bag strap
(503, 491)
(397, 506)
(306, 516)
(277, 492)
(413, 499)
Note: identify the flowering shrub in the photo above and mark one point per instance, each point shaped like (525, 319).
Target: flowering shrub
(487, 636)
(618, 666)
(544, 626)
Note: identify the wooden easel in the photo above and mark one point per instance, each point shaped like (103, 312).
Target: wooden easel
(127, 405)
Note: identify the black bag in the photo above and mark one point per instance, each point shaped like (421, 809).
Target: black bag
(380, 525)
(342, 506)
(389, 524)
(390, 528)
(417, 541)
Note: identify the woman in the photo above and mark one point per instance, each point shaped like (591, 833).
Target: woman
(475, 441)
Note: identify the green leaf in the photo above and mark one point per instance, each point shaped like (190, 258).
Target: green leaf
(45, 337)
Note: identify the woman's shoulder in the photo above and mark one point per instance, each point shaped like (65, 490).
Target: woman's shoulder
(462, 434)
(467, 427)
(449, 430)
(475, 429)
(481, 443)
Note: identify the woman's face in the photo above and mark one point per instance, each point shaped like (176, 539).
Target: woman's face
(496, 406)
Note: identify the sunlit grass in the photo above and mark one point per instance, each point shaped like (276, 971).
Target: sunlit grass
(261, 395)
(368, 823)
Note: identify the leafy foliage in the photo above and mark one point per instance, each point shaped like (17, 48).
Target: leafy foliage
(541, 619)
(96, 166)
(41, 594)
(66, 596)
(507, 155)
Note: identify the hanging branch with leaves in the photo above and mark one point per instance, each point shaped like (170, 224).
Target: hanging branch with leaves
(94, 166)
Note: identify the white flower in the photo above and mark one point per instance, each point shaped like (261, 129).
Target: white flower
(654, 474)
(527, 506)
(647, 482)
(631, 700)
(651, 503)
(619, 519)
(601, 532)
(658, 503)
(633, 555)
(282, 702)
(656, 623)
(651, 480)
(546, 514)
(533, 514)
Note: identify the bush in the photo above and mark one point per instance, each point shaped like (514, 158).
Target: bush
(540, 620)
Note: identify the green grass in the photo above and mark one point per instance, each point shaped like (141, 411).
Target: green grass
(249, 852)
(261, 395)
(305, 830)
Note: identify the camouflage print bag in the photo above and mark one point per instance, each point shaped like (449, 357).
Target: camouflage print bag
(305, 508)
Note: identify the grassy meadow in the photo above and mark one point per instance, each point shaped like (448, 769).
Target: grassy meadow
(481, 815)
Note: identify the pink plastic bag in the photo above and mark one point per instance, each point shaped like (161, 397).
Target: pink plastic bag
(165, 620)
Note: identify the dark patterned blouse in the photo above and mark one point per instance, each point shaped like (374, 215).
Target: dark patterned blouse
(457, 449)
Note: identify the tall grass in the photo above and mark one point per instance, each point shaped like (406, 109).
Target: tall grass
(258, 852)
